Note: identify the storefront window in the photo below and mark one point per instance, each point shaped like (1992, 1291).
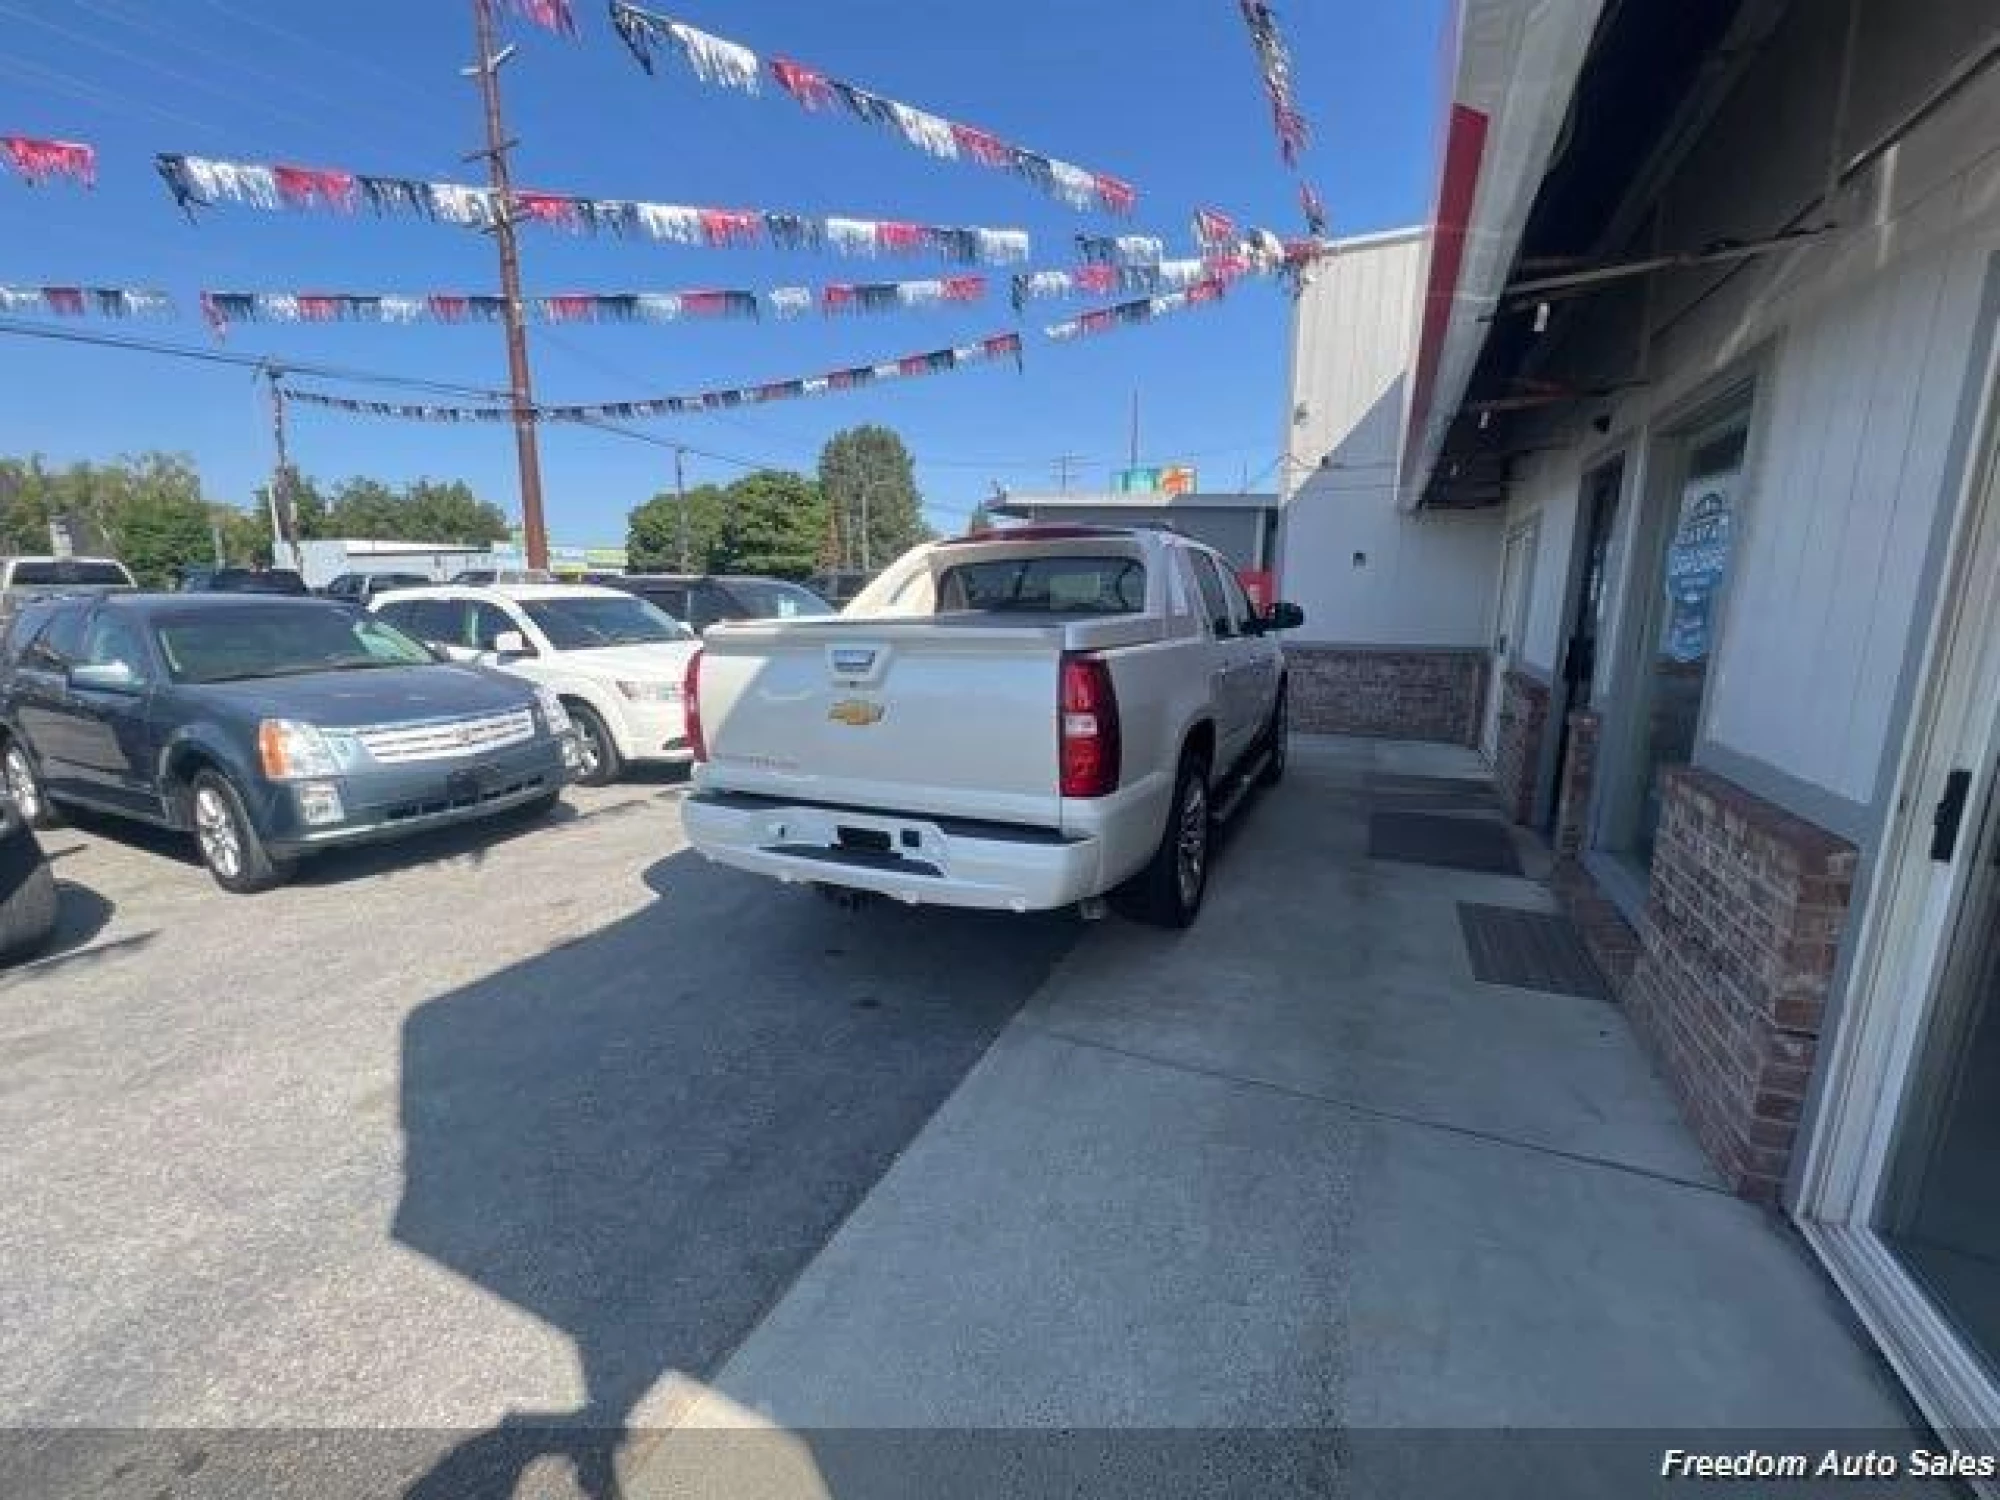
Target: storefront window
(1683, 612)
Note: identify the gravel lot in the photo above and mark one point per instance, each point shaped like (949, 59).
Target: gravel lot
(514, 1124)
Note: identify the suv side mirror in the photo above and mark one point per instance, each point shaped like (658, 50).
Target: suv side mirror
(511, 643)
(1284, 617)
(105, 677)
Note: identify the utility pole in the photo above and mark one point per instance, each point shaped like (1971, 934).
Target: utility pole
(1135, 430)
(284, 513)
(487, 71)
(681, 505)
(1063, 463)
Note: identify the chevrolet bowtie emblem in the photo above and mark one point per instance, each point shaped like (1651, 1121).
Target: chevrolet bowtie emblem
(858, 712)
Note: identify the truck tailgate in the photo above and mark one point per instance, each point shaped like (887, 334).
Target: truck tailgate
(938, 715)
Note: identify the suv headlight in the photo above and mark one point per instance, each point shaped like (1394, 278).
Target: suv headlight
(651, 692)
(291, 750)
(553, 713)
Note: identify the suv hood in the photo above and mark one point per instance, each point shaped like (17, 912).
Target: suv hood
(662, 661)
(376, 695)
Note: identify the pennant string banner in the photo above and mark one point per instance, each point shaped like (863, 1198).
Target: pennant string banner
(200, 182)
(1102, 280)
(1143, 310)
(223, 308)
(936, 361)
(726, 64)
(80, 301)
(37, 161)
(551, 15)
(1274, 61)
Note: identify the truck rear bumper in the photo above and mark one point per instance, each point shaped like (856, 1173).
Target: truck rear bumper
(906, 857)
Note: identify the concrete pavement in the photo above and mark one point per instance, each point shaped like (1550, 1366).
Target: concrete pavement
(1297, 1169)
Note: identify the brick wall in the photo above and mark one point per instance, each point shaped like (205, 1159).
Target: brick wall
(1413, 693)
(1742, 931)
(1517, 757)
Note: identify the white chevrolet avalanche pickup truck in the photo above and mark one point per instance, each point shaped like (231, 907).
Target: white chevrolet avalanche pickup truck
(1017, 720)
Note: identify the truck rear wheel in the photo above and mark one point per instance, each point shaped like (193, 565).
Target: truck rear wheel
(1168, 892)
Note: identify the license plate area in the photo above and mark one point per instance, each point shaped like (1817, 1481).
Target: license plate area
(862, 840)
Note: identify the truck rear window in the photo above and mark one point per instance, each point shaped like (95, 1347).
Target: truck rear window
(1045, 586)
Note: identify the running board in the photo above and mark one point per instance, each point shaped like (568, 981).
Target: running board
(1239, 786)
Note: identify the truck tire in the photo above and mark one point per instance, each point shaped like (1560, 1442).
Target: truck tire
(1168, 892)
(1277, 739)
(229, 842)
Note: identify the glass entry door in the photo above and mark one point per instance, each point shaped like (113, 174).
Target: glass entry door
(1940, 1209)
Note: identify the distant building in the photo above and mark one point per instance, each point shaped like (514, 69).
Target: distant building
(1242, 527)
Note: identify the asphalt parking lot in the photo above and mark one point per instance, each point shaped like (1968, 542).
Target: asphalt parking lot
(505, 1126)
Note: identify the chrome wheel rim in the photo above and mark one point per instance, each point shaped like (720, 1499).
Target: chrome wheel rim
(22, 788)
(1191, 842)
(215, 831)
(589, 752)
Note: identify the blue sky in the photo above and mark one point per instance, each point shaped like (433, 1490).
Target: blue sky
(1165, 95)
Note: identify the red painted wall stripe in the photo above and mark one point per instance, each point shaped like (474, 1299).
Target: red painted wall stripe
(1464, 150)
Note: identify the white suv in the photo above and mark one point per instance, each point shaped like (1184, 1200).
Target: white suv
(616, 662)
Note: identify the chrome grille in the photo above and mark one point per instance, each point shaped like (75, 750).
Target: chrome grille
(446, 739)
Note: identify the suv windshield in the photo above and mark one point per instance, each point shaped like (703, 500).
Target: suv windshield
(1045, 585)
(583, 623)
(63, 570)
(766, 599)
(232, 645)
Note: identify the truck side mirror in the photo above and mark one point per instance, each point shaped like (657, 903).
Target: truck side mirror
(511, 643)
(1284, 617)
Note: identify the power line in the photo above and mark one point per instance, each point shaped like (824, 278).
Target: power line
(140, 60)
(166, 348)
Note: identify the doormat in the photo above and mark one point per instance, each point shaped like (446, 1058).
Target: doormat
(1529, 950)
(1456, 843)
(1431, 793)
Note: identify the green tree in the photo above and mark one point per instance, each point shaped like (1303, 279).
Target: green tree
(309, 504)
(867, 478)
(245, 534)
(367, 510)
(24, 505)
(151, 515)
(654, 533)
(450, 512)
(776, 520)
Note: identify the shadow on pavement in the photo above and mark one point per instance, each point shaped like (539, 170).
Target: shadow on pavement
(644, 1136)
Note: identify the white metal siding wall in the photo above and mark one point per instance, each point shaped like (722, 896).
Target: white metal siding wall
(1861, 346)
(1428, 580)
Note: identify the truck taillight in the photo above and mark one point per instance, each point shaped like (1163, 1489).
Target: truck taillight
(691, 707)
(1087, 728)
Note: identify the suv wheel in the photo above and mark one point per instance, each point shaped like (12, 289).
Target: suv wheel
(24, 786)
(229, 843)
(1168, 892)
(596, 749)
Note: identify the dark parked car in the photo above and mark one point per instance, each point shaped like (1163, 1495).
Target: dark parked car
(700, 600)
(361, 588)
(243, 581)
(838, 588)
(269, 728)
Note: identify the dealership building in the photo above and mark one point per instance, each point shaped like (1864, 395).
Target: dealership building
(1661, 469)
